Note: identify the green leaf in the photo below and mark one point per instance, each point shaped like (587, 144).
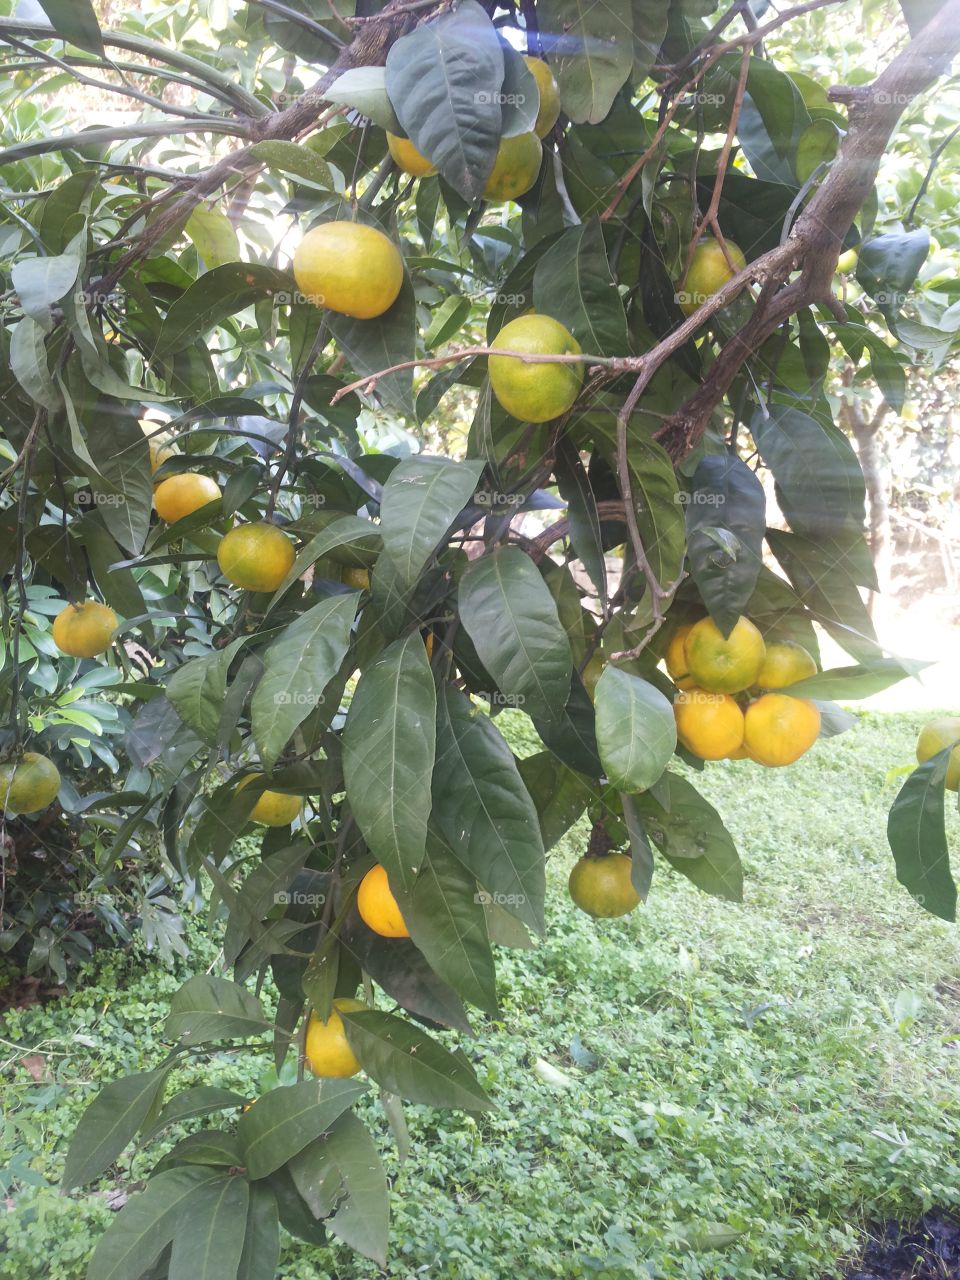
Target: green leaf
(122, 481)
(421, 499)
(209, 1238)
(365, 89)
(197, 690)
(659, 511)
(261, 1241)
(444, 80)
(691, 836)
(484, 810)
(76, 22)
(209, 1008)
(725, 495)
(856, 682)
(214, 236)
(340, 533)
(217, 295)
(372, 345)
(389, 744)
(585, 534)
(406, 1061)
(888, 265)
(343, 1170)
(207, 1146)
(520, 95)
(110, 1123)
(444, 914)
(559, 793)
(820, 484)
(636, 730)
(286, 1119)
(918, 838)
(446, 321)
(28, 363)
(573, 283)
(295, 159)
(200, 1100)
(40, 282)
(649, 28)
(594, 56)
(148, 1222)
(298, 666)
(258, 895)
(511, 617)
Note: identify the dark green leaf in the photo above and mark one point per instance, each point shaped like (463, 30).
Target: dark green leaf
(572, 282)
(690, 834)
(595, 53)
(725, 495)
(286, 1119)
(210, 1008)
(421, 499)
(918, 838)
(856, 682)
(512, 619)
(406, 1061)
(76, 22)
(484, 810)
(559, 793)
(636, 730)
(298, 666)
(261, 1241)
(209, 1238)
(218, 294)
(110, 1123)
(372, 345)
(444, 80)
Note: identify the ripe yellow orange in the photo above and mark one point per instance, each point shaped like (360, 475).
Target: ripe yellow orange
(183, 494)
(378, 907)
(256, 556)
(326, 1048)
(708, 724)
(29, 784)
(273, 808)
(934, 737)
(350, 268)
(159, 453)
(354, 577)
(602, 887)
(549, 111)
(778, 729)
(540, 391)
(724, 664)
(408, 158)
(785, 662)
(84, 630)
(708, 272)
(675, 659)
(515, 169)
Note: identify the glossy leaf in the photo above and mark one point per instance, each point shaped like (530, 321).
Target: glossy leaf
(636, 730)
(211, 1008)
(389, 745)
(856, 682)
(512, 619)
(593, 56)
(918, 838)
(484, 810)
(572, 282)
(408, 1062)
(215, 297)
(421, 499)
(110, 1123)
(725, 495)
(298, 666)
(209, 1238)
(261, 1241)
(444, 80)
(691, 836)
(286, 1119)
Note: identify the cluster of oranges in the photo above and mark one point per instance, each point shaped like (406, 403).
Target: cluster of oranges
(729, 705)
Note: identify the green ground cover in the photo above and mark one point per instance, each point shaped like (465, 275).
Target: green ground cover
(782, 1070)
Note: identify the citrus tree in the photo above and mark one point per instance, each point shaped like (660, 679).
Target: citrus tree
(593, 253)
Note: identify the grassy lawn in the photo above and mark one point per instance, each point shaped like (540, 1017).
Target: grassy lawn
(782, 1070)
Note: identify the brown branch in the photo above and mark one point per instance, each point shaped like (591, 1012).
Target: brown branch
(817, 237)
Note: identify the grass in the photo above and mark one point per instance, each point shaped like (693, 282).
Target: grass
(761, 1078)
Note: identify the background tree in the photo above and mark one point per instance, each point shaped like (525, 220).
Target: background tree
(303, 632)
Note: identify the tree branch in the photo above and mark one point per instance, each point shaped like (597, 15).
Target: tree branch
(817, 237)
